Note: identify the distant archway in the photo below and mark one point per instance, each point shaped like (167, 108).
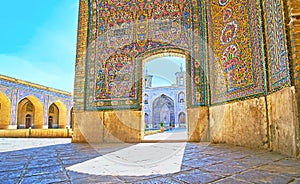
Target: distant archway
(163, 111)
(179, 58)
(5, 111)
(30, 113)
(146, 99)
(59, 114)
(181, 97)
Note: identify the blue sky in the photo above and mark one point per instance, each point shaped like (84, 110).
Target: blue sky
(38, 41)
(163, 70)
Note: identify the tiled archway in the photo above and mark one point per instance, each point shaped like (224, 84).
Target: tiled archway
(59, 115)
(32, 106)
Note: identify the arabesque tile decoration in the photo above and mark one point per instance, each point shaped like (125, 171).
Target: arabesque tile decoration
(235, 59)
(120, 32)
(236, 50)
(278, 61)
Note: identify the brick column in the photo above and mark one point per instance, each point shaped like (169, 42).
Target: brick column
(82, 33)
(81, 54)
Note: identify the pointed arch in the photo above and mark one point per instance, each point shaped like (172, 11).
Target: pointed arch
(5, 111)
(53, 116)
(146, 98)
(181, 97)
(163, 111)
(59, 115)
(30, 113)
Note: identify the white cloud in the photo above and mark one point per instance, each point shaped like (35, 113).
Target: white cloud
(55, 40)
(22, 69)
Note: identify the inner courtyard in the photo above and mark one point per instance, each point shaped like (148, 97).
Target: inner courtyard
(60, 161)
(164, 94)
(165, 91)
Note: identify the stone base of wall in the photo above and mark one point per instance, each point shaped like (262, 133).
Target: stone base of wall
(284, 122)
(267, 122)
(37, 133)
(108, 126)
(198, 124)
(88, 127)
(127, 126)
(242, 123)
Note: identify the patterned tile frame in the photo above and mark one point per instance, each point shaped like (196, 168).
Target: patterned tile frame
(103, 59)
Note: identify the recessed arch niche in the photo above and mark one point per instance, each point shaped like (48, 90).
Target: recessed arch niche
(57, 115)
(30, 113)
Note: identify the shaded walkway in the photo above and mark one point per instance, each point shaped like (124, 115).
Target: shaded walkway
(142, 163)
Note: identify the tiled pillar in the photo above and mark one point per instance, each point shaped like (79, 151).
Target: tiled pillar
(79, 83)
(14, 108)
(81, 56)
(46, 104)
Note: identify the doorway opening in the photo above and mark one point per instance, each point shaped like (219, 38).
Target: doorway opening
(28, 121)
(164, 98)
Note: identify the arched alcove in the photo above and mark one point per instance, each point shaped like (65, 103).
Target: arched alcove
(163, 111)
(146, 99)
(30, 113)
(53, 116)
(181, 97)
(59, 114)
(5, 111)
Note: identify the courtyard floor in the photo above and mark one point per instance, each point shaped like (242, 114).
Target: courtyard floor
(60, 161)
(175, 134)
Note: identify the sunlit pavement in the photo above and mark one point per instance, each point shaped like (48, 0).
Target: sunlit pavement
(59, 161)
(175, 134)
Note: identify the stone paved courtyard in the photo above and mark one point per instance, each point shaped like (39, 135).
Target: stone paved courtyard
(59, 161)
(175, 134)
